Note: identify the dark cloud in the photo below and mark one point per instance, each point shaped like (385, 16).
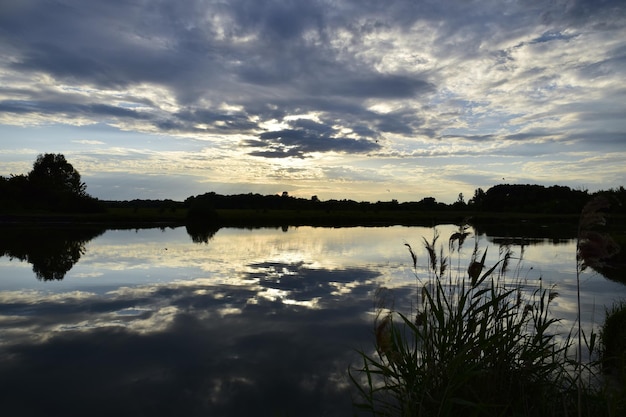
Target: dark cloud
(194, 50)
(552, 36)
(606, 67)
(611, 140)
(306, 137)
(238, 122)
(590, 11)
(278, 153)
(473, 138)
(527, 136)
(73, 109)
(384, 86)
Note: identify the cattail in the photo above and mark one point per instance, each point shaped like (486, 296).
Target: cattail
(553, 294)
(385, 344)
(420, 318)
(458, 237)
(432, 253)
(443, 263)
(413, 255)
(474, 270)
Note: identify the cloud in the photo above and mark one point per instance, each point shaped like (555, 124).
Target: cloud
(380, 87)
(307, 136)
(418, 77)
(90, 110)
(89, 142)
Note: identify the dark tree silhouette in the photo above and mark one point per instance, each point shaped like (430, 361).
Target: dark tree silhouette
(477, 201)
(52, 185)
(526, 198)
(53, 173)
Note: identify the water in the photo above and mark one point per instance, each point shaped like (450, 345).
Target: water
(232, 322)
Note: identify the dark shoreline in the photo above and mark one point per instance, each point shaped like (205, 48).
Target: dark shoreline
(506, 227)
(290, 217)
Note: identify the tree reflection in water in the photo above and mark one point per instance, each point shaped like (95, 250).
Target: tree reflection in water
(52, 251)
(201, 232)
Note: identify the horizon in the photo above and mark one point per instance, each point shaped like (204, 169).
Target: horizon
(350, 100)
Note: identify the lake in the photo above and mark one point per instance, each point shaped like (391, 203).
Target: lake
(228, 322)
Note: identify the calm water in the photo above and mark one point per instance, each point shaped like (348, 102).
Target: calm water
(241, 322)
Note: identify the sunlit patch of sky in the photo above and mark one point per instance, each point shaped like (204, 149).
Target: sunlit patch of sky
(314, 98)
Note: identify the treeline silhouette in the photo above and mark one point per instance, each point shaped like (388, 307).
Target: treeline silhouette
(500, 198)
(54, 185)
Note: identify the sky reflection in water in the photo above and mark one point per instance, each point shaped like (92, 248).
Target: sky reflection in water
(254, 322)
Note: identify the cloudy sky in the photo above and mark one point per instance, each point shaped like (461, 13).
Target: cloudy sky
(359, 99)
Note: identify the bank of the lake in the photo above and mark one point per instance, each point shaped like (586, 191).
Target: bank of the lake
(279, 217)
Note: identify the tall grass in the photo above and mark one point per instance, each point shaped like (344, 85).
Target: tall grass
(613, 353)
(476, 342)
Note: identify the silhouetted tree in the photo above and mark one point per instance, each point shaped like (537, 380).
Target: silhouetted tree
(201, 209)
(459, 204)
(53, 184)
(534, 199)
(477, 201)
(54, 173)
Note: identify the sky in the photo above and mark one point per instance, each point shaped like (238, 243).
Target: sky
(343, 99)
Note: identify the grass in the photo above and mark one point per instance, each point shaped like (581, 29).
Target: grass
(481, 343)
(613, 352)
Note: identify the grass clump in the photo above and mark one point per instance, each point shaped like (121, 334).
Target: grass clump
(613, 353)
(475, 343)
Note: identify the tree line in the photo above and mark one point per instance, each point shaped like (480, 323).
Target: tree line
(54, 185)
(518, 198)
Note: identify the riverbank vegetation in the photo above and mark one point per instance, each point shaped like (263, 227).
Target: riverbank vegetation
(53, 191)
(613, 352)
(483, 341)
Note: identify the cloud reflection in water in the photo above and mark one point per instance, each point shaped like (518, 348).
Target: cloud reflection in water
(254, 322)
(188, 347)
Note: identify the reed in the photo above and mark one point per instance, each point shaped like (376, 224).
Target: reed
(476, 342)
(613, 354)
